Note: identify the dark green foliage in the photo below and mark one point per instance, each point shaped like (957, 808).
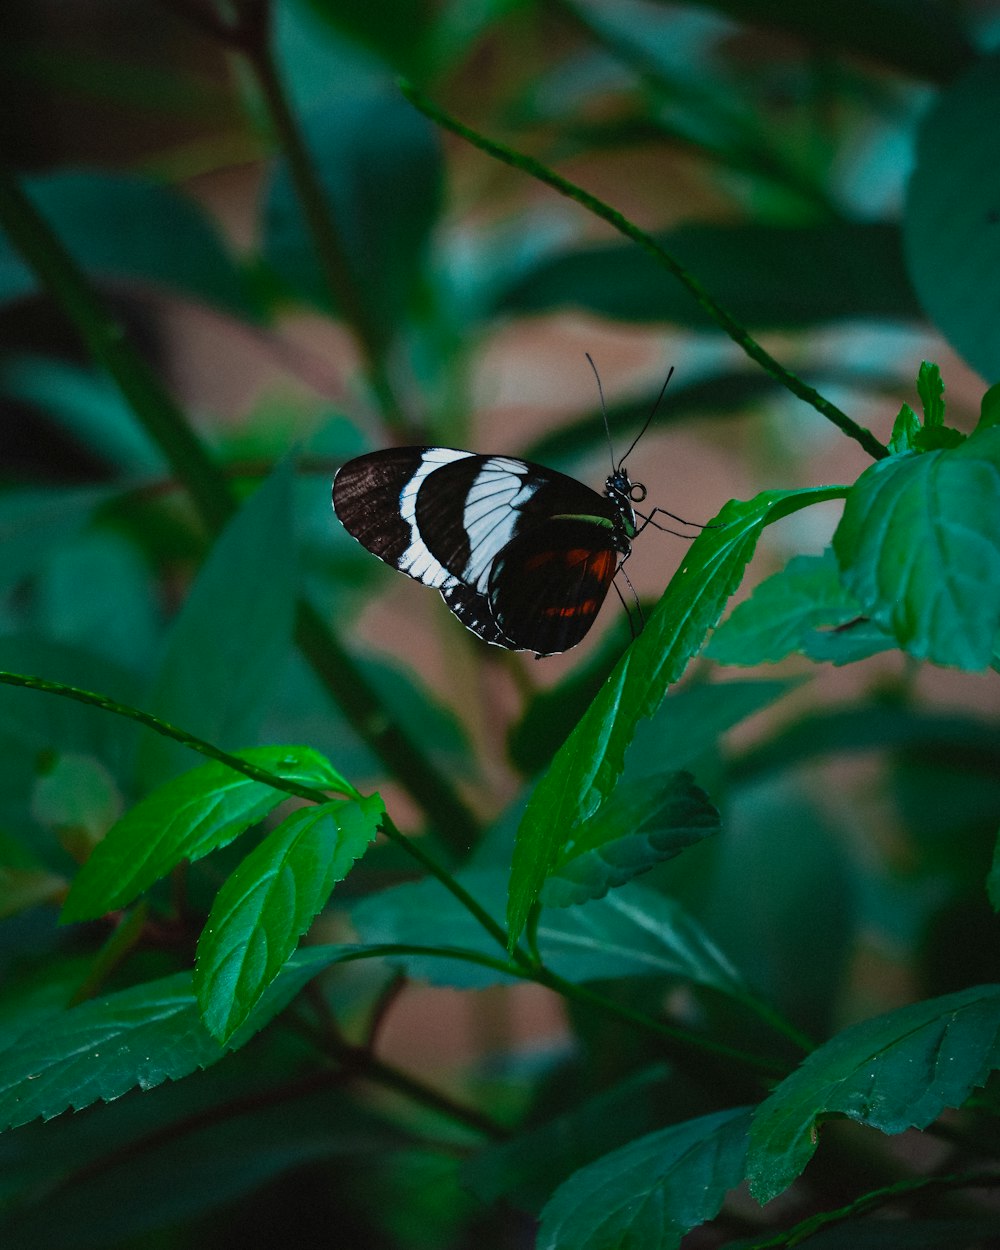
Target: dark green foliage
(408, 943)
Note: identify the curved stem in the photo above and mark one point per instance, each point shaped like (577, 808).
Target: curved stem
(722, 318)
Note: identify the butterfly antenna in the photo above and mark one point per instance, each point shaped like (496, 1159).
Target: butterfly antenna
(604, 409)
(652, 414)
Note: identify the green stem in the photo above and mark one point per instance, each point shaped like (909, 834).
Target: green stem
(722, 318)
(875, 1198)
(212, 495)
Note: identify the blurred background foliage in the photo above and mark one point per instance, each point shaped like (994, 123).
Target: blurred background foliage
(814, 167)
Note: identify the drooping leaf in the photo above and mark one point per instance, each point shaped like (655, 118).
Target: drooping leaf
(804, 608)
(586, 769)
(632, 932)
(270, 901)
(135, 1038)
(366, 146)
(185, 819)
(894, 1072)
(227, 647)
(652, 820)
(768, 276)
(651, 1192)
(114, 225)
(950, 233)
(526, 1169)
(919, 547)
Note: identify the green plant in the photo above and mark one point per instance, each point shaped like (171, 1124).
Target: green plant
(712, 911)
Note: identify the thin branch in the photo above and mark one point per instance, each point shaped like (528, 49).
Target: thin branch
(737, 332)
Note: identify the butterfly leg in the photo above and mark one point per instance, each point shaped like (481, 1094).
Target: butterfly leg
(638, 606)
(648, 520)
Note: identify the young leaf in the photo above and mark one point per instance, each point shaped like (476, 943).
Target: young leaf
(588, 765)
(633, 932)
(650, 821)
(905, 429)
(950, 235)
(651, 1192)
(930, 388)
(800, 609)
(229, 643)
(185, 819)
(897, 1071)
(135, 1038)
(270, 901)
(919, 546)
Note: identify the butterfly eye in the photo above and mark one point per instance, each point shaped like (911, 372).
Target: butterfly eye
(637, 493)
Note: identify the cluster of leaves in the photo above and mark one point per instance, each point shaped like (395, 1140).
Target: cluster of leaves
(695, 994)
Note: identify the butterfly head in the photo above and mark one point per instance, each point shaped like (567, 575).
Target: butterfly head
(623, 493)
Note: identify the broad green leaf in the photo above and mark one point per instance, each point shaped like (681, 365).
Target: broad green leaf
(949, 220)
(366, 147)
(932, 43)
(919, 546)
(632, 932)
(527, 1168)
(649, 821)
(135, 1038)
(805, 608)
(768, 276)
(271, 900)
(989, 411)
(648, 1194)
(897, 1071)
(34, 523)
(114, 225)
(185, 819)
(227, 647)
(905, 429)
(86, 404)
(588, 765)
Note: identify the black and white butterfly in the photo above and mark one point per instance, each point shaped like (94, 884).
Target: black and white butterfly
(523, 555)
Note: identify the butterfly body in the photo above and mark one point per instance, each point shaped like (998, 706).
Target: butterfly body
(523, 555)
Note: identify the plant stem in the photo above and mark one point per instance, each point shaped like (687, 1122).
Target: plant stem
(722, 318)
(327, 244)
(212, 495)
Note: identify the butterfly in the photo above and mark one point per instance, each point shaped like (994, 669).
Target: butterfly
(523, 555)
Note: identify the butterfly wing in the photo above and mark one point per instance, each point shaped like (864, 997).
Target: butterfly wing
(548, 583)
(443, 517)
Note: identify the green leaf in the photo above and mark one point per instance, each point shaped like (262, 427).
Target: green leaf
(271, 900)
(989, 411)
(649, 821)
(34, 523)
(588, 765)
(897, 1071)
(365, 147)
(136, 1038)
(633, 932)
(905, 429)
(919, 546)
(114, 225)
(797, 610)
(950, 230)
(993, 878)
(86, 404)
(651, 1192)
(768, 276)
(930, 388)
(528, 1167)
(397, 32)
(228, 645)
(185, 819)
